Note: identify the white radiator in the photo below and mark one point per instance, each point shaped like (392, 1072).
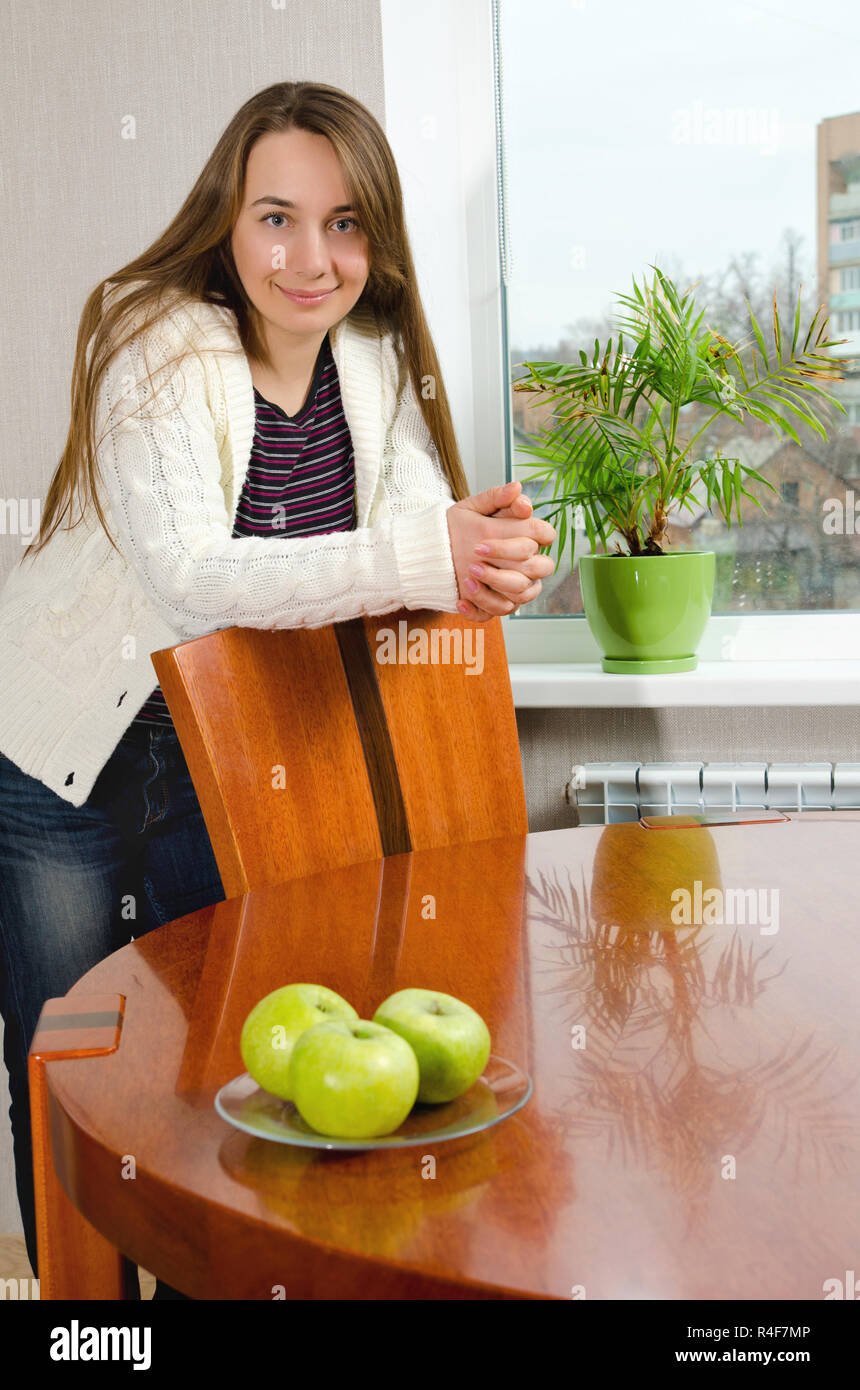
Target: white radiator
(607, 792)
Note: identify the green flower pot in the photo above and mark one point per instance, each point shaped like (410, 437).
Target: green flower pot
(648, 612)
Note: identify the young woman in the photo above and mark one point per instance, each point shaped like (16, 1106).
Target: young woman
(260, 437)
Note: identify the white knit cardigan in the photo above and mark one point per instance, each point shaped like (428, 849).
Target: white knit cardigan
(78, 621)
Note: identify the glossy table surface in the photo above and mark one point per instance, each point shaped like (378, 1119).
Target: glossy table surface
(694, 1129)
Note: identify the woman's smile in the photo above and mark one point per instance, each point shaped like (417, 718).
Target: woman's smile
(302, 297)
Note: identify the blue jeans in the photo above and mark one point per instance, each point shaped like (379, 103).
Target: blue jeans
(67, 877)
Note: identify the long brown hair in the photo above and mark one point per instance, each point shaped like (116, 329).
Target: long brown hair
(193, 257)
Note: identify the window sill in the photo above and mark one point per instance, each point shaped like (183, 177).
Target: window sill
(585, 685)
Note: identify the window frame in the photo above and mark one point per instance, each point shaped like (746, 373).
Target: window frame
(441, 70)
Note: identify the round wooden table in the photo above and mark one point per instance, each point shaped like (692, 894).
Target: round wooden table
(694, 1130)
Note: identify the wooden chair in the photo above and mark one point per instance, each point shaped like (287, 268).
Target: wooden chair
(380, 753)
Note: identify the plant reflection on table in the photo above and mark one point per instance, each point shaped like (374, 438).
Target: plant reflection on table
(656, 1079)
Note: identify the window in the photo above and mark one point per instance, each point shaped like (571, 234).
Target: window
(449, 123)
(711, 174)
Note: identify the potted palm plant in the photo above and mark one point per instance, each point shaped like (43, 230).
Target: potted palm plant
(617, 449)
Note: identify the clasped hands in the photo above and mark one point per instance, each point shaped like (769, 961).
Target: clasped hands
(495, 540)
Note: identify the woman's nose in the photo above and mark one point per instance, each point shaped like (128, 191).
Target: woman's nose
(309, 253)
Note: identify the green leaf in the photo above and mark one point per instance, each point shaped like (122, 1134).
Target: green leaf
(727, 495)
(562, 537)
(776, 419)
(753, 499)
(777, 331)
(738, 492)
(759, 337)
(812, 328)
(751, 473)
(796, 327)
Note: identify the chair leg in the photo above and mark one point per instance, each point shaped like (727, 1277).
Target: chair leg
(75, 1260)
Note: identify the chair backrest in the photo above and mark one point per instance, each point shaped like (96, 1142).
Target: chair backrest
(266, 725)
(445, 692)
(321, 748)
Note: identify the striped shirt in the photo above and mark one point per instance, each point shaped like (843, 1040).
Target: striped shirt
(300, 479)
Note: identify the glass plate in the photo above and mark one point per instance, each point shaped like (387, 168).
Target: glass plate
(501, 1090)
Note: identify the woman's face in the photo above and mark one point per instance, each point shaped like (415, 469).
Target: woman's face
(314, 245)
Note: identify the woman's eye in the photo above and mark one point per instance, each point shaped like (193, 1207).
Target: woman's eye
(268, 218)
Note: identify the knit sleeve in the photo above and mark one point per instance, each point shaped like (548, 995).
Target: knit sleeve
(159, 463)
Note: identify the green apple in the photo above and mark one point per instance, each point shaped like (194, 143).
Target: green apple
(450, 1040)
(273, 1026)
(353, 1079)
